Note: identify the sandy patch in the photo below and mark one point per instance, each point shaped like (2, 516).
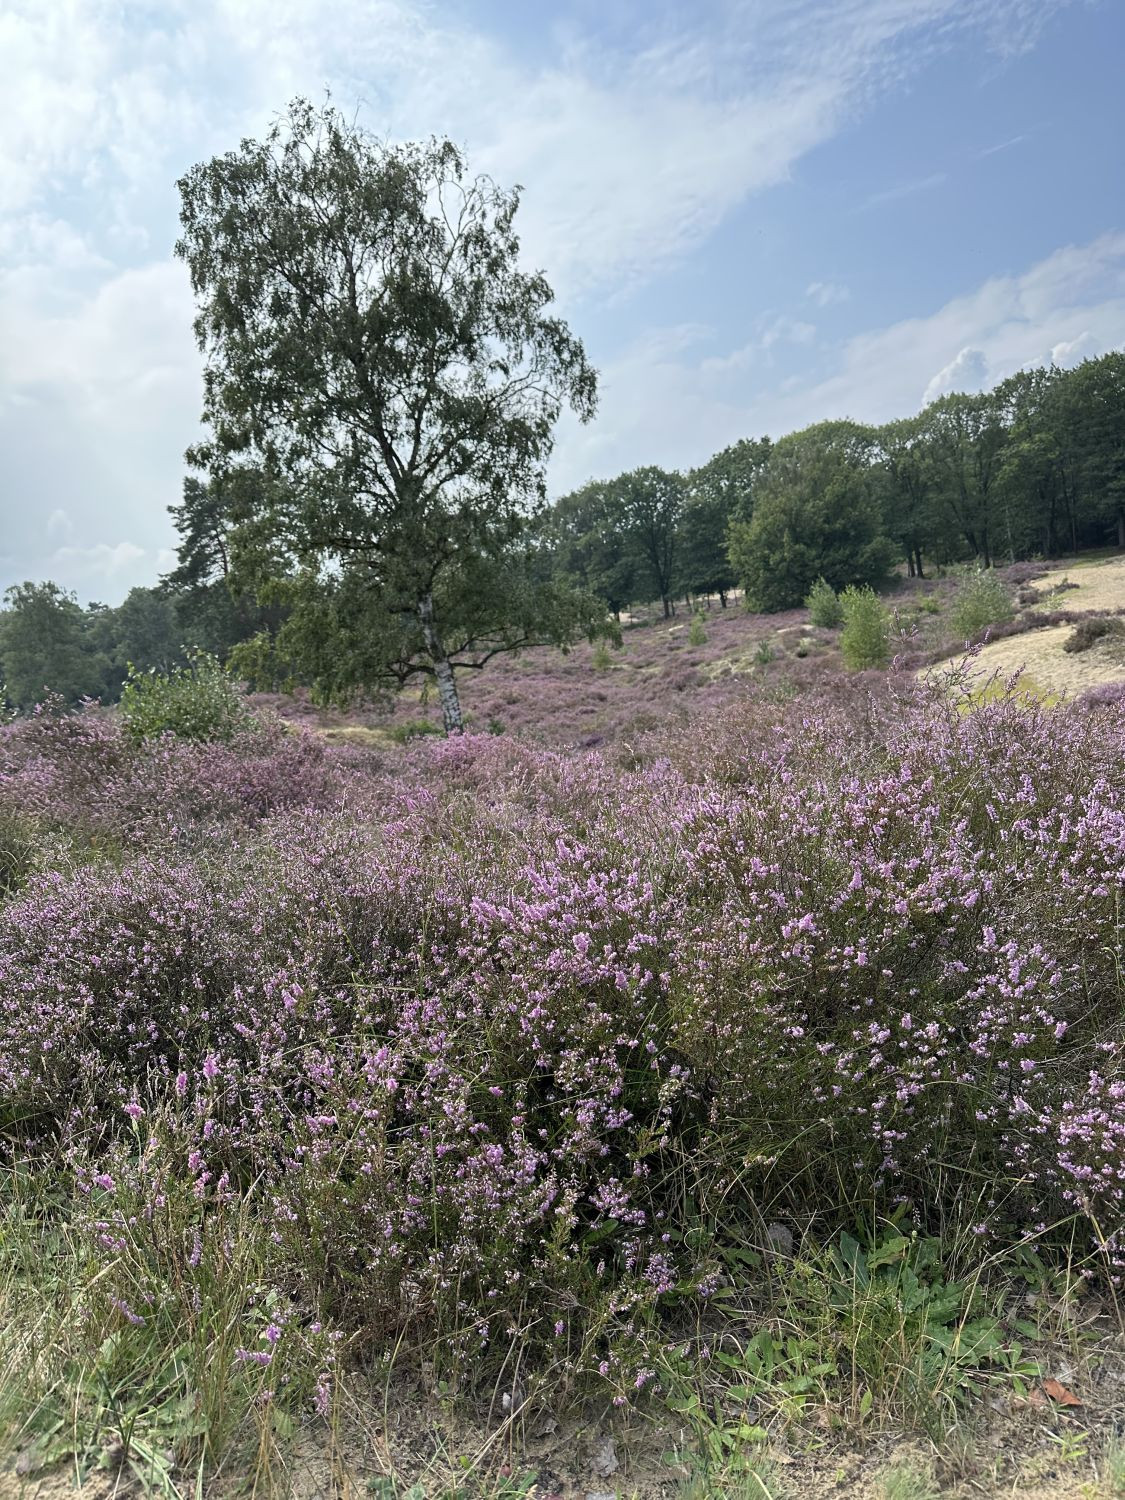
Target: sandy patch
(1049, 670)
(1052, 671)
(1099, 586)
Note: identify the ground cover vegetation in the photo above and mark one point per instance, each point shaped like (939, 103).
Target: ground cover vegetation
(735, 1075)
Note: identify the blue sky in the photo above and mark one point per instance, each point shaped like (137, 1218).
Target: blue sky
(756, 213)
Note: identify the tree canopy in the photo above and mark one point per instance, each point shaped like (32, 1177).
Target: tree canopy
(817, 514)
(375, 348)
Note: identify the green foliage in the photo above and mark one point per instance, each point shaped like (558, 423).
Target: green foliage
(982, 600)
(196, 702)
(865, 641)
(401, 402)
(721, 491)
(913, 513)
(817, 514)
(823, 605)
(47, 644)
(764, 654)
(591, 545)
(650, 504)
(697, 630)
(600, 658)
(414, 729)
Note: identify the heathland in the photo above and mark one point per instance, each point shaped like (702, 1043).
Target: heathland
(704, 1078)
(530, 1047)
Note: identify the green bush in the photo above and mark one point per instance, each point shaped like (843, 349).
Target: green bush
(197, 702)
(982, 600)
(416, 729)
(865, 641)
(697, 631)
(600, 660)
(823, 605)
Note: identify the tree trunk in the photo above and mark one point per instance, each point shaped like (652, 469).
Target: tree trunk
(910, 564)
(1121, 528)
(667, 607)
(443, 669)
(918, 561)
(723, 592)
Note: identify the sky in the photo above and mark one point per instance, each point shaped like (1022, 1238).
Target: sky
(756, 214)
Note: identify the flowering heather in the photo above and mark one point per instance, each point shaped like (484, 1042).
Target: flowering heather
(492, 1036)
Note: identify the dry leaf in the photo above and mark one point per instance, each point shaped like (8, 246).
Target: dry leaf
(1060, 1393)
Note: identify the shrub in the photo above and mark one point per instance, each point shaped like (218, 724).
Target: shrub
(1088, 632)
(982, 600)
(477, 1060)
(413, 729)
(823, 604)
(198, 702)
(764, 654)
(865, 641)
(697, 631)
(600, 658)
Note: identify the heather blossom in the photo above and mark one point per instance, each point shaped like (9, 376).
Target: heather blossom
(460, 1037)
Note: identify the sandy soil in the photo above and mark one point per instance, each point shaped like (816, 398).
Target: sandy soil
(1099, 586)
(1050, 670)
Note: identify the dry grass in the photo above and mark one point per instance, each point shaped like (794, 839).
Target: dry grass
(1039, 653)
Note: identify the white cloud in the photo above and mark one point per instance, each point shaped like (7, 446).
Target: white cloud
(966, 372)
(827, 293)
(60, 528)
(99, 561)
(677, 412)
(634, 146)
(1073, 351)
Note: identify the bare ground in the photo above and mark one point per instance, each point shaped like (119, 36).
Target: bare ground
(398, 1440)
(1098, 587)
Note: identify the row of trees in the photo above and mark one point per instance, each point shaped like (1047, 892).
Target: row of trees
(1035, 466)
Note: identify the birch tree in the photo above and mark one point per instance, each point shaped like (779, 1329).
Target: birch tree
(373, 343)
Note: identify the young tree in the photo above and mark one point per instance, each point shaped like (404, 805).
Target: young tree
(373, 345)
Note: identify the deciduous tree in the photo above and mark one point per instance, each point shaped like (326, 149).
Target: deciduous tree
(374, 346)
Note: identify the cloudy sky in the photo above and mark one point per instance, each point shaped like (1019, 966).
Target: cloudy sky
(756, 213)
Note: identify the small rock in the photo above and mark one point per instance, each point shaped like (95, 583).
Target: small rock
(604, 1462)
(600, 1495)
(780, 1238)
